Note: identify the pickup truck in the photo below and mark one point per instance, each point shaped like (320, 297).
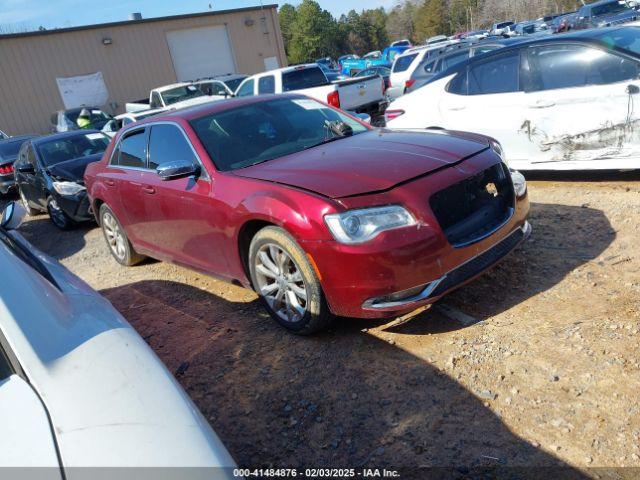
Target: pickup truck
(385, 58)
(604, 13)
(359, 95)
(177, 95)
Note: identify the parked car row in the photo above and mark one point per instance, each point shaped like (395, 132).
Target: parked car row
(559, 102)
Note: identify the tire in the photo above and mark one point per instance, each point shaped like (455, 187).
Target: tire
(294, 298)
(116, 238)
(25, 203)
(57, 216)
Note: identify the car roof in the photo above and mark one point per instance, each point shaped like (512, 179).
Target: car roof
(590, 36)
(218, 106)
(59, 136)
(18, 138)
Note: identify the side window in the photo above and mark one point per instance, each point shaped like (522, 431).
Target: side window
(497, 75)
(484, 49)
(22, 155)
(246, 89)
(430, 66)
(458, 84)
(133, 150)
(567, 66)
(166, 144)
(5, 367)
(451, 60)
(267, 84)
(156, 101)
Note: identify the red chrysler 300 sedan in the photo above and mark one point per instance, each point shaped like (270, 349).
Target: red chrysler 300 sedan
(319, 213)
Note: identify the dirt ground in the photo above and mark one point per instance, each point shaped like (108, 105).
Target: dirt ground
(535, 363)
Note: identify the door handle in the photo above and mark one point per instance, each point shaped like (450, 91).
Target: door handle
(110, 183)
(543, 104)
(456, 108)
(148, 189)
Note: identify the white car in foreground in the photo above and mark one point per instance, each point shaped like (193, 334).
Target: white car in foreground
(80, 388)
(561, 102)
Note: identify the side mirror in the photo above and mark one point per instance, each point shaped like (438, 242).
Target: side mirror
(12, 216)
(26, 168)
(177, 169)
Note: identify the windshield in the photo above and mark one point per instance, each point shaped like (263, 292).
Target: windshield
(609, 8)
(623, 39)
(180, 94)
(303, 78)
(68, 148)
(97, 118)
(233, 84)
(260, 132)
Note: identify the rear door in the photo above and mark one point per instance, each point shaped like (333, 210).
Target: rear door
(182, 221)
(580, 109)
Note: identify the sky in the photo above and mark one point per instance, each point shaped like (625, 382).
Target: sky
(67, 13)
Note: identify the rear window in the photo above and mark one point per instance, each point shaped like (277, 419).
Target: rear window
(402, 63)
(9, 150)
(67, 148)
(303, 78)
(609, 8)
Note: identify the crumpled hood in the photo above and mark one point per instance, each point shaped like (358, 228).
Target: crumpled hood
(73, 170)
(369, 162)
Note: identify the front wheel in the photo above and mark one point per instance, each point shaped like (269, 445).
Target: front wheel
(58, 217)
(286, 282)
(118, 242)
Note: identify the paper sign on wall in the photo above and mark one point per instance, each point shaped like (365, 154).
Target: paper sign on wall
(83, 90)
(271, 63)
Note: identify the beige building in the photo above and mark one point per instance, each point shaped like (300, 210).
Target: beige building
(45, 71)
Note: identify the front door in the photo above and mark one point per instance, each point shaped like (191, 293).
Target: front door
(182, 222)
(580, 110)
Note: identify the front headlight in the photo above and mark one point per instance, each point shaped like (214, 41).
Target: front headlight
(519, 183)
(68, 188)
(357, 226)
(497, 148)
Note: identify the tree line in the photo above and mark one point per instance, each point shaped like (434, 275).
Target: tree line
(311, 32)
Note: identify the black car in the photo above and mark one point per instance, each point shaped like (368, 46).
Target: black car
(66, 120)
(49, 174)
(9, 148)
(604, 13)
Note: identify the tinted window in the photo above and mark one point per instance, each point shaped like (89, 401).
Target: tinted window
(246, 89)
(180, 94)
(133, 150)
(5, 367)
(566, 66)
(498, 75)
(167, 144)
(452, 60)
(623, 38)
(60, 150)
(156, 102)
(430, 66)
(402, 63)
(9, 150)
(304, 78)
(213, 88)
(267, 84)
(233, 84)
(260, 132)
(609, 8)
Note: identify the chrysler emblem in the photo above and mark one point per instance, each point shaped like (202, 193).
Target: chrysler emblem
(492, 189)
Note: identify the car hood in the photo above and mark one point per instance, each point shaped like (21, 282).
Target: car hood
(369, 162)
(73, 170)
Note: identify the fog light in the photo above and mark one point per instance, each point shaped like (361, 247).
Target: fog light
(519, 183)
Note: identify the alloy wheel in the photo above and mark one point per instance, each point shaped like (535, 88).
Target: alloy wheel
(280, 283)
(114, 235)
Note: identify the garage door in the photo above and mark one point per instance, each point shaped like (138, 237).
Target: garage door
(201, 52)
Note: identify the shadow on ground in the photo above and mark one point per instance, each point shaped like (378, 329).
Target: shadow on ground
(564, 237)
(342, 398)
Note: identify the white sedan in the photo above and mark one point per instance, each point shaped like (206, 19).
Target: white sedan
(79, 387)
(561, 102)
